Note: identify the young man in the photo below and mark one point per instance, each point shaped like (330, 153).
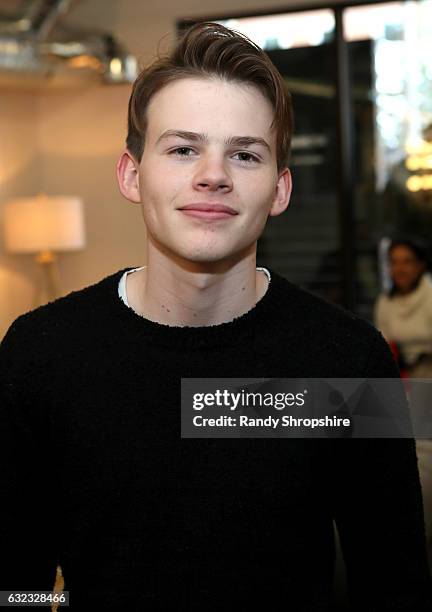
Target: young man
(98, 477)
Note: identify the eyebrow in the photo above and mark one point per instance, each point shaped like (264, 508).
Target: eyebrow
(239, 141)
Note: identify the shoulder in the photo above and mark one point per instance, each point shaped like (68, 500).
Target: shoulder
(426, 282)
(382, 307)
(332, 332)
(62, 317)
(383, 300)
(313, 312)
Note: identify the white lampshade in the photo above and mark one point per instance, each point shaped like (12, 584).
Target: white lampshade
(44, 223)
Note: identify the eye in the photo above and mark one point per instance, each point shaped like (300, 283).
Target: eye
(181, 151)
(247, 157)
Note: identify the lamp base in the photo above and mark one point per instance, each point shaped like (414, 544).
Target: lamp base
(48, 285)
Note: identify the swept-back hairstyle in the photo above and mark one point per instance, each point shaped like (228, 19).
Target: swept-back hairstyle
(208, 50)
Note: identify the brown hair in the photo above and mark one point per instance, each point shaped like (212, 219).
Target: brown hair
(205, 50)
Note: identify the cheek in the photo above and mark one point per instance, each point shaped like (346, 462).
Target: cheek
(262, 203)
(160, 191)
(263, 189)
(254, 223)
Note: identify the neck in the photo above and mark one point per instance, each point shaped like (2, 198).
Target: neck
(197, 295)
(410, 289)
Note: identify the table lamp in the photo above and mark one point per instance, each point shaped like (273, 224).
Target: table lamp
(44, 225)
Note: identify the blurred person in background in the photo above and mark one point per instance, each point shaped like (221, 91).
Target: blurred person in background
(404, 317)
(404, 314)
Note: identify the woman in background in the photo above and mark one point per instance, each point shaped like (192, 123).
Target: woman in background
(404, 317)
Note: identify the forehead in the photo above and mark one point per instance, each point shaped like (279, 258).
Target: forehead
(402, 252)
(213, 106)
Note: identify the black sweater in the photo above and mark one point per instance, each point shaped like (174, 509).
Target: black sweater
(97, 477)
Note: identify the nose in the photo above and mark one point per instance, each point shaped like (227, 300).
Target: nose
(212, 174)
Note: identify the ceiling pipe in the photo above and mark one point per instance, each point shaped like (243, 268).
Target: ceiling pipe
(27, 46)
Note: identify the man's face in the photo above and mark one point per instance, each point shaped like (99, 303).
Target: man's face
(189, 160)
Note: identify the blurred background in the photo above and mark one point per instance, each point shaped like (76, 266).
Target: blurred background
(361, 80)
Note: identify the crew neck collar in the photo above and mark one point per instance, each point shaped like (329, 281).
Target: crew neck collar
(241, 329)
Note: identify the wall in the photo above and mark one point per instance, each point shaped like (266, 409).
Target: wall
(69, 142)
(20, 165)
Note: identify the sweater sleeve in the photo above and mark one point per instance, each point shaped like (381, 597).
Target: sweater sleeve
(379, 514)
(28, 509)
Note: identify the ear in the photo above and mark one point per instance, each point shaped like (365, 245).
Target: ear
(128, 177)
(283, 193)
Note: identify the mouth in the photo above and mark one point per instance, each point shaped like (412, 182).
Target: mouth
(208, 211)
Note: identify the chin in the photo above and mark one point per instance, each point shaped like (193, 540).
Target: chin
(205, 258)
(206, 252)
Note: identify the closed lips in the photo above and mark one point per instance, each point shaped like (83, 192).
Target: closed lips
(210, 208)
